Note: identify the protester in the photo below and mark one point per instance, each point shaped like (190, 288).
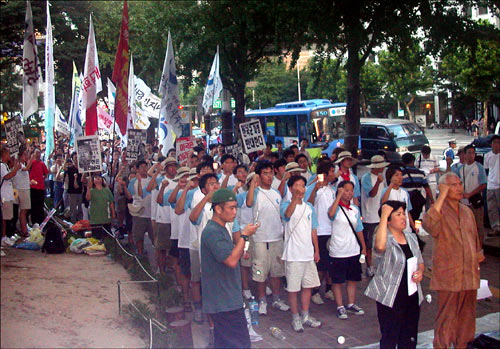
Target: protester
(102, 206)
(75, 189)
(345, 161)
(268, 240)
(492, 165)
(228, 163)
(221, 281)
(21, 182)
(57, 171)
(395, 192)
(7, 192)
(300, 253)
(450, 152)
(346, 245)
(455, 265)
(372, 186)
(416, 185)
(398, 312)
(474, 180)
(38, 173)
(430, 165)
(303, 162)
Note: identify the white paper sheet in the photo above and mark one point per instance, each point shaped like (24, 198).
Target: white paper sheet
(484, 290)
(412, 265)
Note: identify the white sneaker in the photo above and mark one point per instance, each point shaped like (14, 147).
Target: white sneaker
(311, 322)
(268, 291)
(262, 308)
(316, 299)
(7, 242)
(280, 305)
(329, 295)
(297, 325)
(247, 294)
(2, 253)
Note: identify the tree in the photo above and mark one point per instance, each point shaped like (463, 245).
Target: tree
(354, 28)
(405, 73)
(325, 75)
(473, 72)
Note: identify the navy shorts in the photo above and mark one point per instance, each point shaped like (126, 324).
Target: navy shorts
(184, 261)
(345, 269)
(368, 231)
(174, 248)
(324, 257)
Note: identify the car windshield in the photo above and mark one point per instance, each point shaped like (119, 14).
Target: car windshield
(405, 130)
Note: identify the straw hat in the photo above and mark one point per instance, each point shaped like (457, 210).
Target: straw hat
(192, 174)
(293, 167)
(168, 161)
(378, 161)
(181, 172)
(345, 155)
(248, 180)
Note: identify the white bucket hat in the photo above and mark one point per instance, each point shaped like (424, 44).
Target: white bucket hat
(378, 161)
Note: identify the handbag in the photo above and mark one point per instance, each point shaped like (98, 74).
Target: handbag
(136, 208)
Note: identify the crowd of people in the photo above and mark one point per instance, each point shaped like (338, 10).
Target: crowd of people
(219, 222)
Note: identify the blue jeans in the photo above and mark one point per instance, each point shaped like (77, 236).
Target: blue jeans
(58, 192)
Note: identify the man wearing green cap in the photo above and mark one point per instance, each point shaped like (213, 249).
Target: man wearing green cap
(220, 273)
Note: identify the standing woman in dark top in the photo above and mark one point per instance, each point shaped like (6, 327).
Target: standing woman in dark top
(398, 313)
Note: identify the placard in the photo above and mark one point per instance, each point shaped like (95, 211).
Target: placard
(88, 153)
(252, 136)
(136, 143)
(183, 149)
(14, 134)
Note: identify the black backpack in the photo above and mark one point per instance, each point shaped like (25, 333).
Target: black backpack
(54, 242)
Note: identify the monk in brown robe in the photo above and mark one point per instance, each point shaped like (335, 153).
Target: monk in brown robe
(455, 274)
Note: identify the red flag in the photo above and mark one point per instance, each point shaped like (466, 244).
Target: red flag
(120, 74)
(91, 83)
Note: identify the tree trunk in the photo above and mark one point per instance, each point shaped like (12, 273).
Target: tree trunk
(453, 113)
(352, 121)
(239, 98)
(485, 118)
(407, 107)
(227, 119)
(363, 105)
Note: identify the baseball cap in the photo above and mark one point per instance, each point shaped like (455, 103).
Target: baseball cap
(223, 195)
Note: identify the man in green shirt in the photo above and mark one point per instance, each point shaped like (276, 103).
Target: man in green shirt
(220, 273)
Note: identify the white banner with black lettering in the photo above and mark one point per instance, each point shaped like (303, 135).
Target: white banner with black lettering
(252, 136)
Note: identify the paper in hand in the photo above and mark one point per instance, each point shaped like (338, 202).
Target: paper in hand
(412, 265)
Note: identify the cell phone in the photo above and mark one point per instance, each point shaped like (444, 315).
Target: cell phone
(321, 177)
(256, 220)
(215, 165)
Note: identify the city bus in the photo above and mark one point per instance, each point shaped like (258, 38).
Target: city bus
(317, 120)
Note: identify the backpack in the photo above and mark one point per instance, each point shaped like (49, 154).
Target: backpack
(54, 242)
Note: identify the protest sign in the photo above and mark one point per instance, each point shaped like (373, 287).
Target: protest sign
(184, 147)
(14, 134)
(88, 153)
(104, 120)
(135, 144)
(61, 125)
(233, 149)
(252, 136)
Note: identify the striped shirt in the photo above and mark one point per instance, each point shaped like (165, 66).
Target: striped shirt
(390, 266)
(413, 179)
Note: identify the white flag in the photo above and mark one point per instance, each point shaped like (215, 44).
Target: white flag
(30, 67)
(61, 125)
(50, 96)
(169, 108)
(75, 122)
(91, 83)
(131, 116)
(214, 85)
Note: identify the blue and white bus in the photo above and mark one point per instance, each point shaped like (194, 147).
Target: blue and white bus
(317, 120)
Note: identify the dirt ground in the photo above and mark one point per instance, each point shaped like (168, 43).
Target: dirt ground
(68, 300)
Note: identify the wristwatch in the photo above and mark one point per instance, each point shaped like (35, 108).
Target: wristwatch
(245, 237)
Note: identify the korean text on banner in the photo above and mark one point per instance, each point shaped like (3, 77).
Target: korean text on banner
(91, 83)
(136, 142)
(252, 136)
(184, 148)
(88, 153)
(121, 74)
(30, 67)
(14, 135)
(104, 120)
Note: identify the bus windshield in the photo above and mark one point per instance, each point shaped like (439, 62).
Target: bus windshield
(328, 129)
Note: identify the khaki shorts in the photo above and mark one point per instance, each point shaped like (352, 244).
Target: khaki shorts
(24, 198)
(194, 256)
(162, 236)
(267, 260)
(141, 225)
(247, 262)
(7, 210)
(301, 275)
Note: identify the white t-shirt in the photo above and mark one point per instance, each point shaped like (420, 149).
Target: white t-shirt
(164, 213)
(324, 200)
(205, 215)
(370, 205)
(21, 180)
(343, 243)
(154, 204)
(146, 195)
(298, 238)
(472, 176)
(231, 182)
(244, 213)
(427, 165)
(184, 225)
(276, 183)
(266, 209)
(401, 195)
(492, 162)
(7, 188)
